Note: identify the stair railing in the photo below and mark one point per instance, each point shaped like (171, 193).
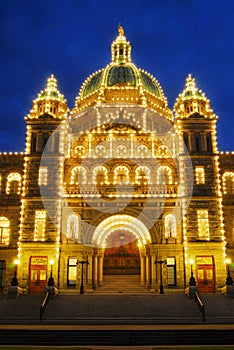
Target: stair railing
(44, 303)
(200, 304)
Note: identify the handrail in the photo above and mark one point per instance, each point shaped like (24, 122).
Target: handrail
(200, 304)
(44, 303)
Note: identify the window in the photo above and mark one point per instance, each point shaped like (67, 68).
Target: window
(4, 230)
(200, 175)
(121, 175)
(78, 175)
(228, 182)
(73, 227)
(100, 175)
(13, 183)
(170, 226)
(40, 224)
(43, 176)
(164, 175)
(142, 175)
(203, 224)
(2, 272)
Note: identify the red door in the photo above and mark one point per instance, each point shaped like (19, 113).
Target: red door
(37, 274)
(205, 274)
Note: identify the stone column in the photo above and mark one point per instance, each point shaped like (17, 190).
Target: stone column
(90, 271)
(142, 270)
(100, 270)
(153, 273)
(148, 271)
(95, 271)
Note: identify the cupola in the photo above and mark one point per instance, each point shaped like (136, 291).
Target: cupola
(50, 103)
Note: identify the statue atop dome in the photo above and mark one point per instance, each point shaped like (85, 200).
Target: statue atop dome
(120, 30)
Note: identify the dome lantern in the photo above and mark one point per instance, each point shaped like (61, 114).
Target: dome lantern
(121, 48)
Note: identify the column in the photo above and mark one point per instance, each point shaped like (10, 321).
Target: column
(142, 270)
(90, 270)
(153, 272)
(95, 271)
(148, 271)
(100, 270)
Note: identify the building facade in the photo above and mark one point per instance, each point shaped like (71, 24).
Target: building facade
(120, 182)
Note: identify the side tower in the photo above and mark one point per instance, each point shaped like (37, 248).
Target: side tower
(204, 240)
(39, 232)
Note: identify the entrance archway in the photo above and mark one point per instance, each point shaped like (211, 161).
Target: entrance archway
(121, 255)
(122, 241)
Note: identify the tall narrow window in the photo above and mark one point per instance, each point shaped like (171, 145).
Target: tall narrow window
(4, 230)
(203, 224)
(208, 143)
(13, 183)
(200, 175)
(73, 227)
(197, 143)
(40, 225)
(170, 226)
(2, 272)
(43, 176)
(228, 182)
(78, 175)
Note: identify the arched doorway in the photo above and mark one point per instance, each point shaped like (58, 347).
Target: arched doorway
(121, 240)
(121, 255)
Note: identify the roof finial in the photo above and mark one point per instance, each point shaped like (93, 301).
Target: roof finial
(121, 30)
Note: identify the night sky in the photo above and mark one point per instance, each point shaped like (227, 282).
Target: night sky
(72, 38)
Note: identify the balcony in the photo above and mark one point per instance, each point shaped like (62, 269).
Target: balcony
(121, 190)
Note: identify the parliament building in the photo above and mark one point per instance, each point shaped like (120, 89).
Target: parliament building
(120, 185)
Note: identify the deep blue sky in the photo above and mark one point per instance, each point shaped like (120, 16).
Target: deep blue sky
(72, 38)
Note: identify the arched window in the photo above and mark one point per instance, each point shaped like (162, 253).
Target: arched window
(170, 226)
(142, 175)
(78, 175)
(142, 151)
(100, 175)
(121, 175)
(13, 183)
(4, 230)
(121, 151)
(100, 151)
(80, 151)
(228, 182)
(164, 175)
(73, 227)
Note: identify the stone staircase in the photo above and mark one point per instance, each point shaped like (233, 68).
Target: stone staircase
(122, 309)
(118, 284)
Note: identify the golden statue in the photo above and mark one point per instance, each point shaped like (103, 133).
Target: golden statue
(121, 30)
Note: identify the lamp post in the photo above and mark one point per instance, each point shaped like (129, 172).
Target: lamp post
(160, 262)
(51, 278)
(14, 281)
(229, 280)
(82, 262)
(192, 281)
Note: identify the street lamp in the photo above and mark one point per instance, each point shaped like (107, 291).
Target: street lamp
(229, 280)
(14, 281)
(51, 278)
(160, 262)
(192, 281)
(82, 262)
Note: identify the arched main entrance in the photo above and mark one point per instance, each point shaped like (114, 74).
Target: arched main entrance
(121, 240)
(121, 254)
